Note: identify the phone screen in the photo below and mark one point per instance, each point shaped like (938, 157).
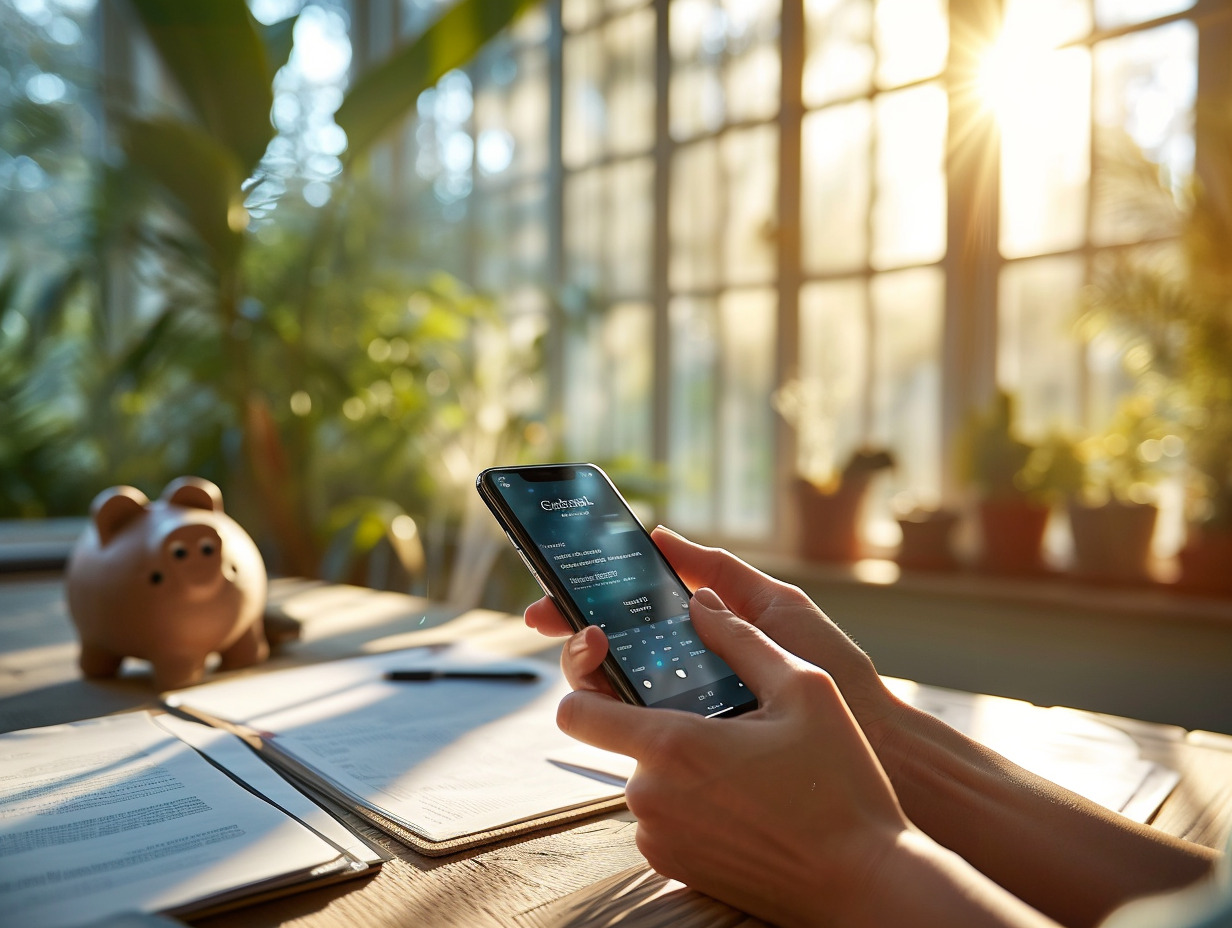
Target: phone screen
(588, 549)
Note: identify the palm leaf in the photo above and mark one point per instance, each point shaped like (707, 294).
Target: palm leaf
(200, 174)
(218, 58)
(388, 91)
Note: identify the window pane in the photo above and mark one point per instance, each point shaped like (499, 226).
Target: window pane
(695, 211)
(908, 310)
(511, 237)
(584, 120)
(749, 20)
(511, 116)
(752, 83)
(826, 410)
(835, 188)
(630, 47)
(584, 402)
(697, 30)
(1045, 24)
(528, 113)
(629, 232)
(909, 209)
(607, 405)
(746, 423)
(1038, 357)
(628, 370)
(697, 104)
(584, 230)
(912, 39)
(1109, 13)
(1145, 84)
(528, 239)
(706, 30)
(578, 14)
(691, 442)
(750, 185)
(839, 51)
(532, 27)
(1045, 157)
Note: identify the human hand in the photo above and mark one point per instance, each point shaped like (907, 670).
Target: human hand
(783, 612)
(779, 811)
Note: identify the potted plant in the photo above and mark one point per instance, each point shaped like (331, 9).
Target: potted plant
(1016, 484)
(829, 498)
(1113, 520)
(1171, 310)
(831, 512)
(927, 538)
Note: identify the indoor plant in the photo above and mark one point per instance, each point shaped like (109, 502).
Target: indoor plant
(1171, 310)
(1016, 484)
(235, 368)
(829, 497)
(1113, 519)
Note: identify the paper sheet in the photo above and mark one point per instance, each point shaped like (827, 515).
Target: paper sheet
(1065, 746)
(229, 752)
(445, 759)
(115, 814)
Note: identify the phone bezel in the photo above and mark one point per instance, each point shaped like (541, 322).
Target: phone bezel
(547, 579)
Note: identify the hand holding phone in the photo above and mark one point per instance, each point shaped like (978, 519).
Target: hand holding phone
(599, 566)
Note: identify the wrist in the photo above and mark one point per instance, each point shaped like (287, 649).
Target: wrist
(885, 720)
(921, 883)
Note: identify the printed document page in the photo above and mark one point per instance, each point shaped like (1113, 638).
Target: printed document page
(115, 814)
(443, 758)
(238, 759)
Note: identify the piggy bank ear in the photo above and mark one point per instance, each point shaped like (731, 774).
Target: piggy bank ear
(114, 508)
(194, 492)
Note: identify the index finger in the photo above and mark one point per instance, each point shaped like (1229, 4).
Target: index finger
(744, 588)
(543, 616)
(607, 723)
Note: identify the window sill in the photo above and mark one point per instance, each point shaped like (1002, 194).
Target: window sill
(1049, 590)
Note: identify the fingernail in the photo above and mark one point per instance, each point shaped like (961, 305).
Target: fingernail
(663, 528)
(708, 598)
(577, 644)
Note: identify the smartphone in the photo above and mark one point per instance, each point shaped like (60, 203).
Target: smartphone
(600, 567)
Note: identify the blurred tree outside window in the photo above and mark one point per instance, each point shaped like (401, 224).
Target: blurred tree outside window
(216, 285)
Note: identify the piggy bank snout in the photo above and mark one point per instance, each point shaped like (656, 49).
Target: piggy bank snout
(193, 553)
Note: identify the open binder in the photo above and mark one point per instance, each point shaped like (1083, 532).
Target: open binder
(441, 765)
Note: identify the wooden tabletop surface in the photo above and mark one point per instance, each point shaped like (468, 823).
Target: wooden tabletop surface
(584, 873)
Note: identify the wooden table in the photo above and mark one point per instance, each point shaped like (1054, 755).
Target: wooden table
(584, 873)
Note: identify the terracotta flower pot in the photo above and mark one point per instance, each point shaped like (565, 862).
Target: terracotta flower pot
(1112, 542)
(1012, 535)
(926, 543)
(1206, 562)
(830, 522)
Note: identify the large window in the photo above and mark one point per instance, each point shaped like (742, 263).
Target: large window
(761, 235)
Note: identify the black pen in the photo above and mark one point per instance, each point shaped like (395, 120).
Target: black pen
(419, 676)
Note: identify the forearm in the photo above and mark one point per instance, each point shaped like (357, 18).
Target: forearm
(926, 886)
(1066, 856)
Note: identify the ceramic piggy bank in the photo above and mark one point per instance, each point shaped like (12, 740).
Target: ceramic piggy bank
(170, 581)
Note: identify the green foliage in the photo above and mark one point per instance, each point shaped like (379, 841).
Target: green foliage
(990, 455)
(390, 89)
(1172, 314)
(219, 59)
(1132, 455)
(998, 464)
(305, 365)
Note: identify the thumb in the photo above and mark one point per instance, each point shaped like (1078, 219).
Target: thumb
(757, 660)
